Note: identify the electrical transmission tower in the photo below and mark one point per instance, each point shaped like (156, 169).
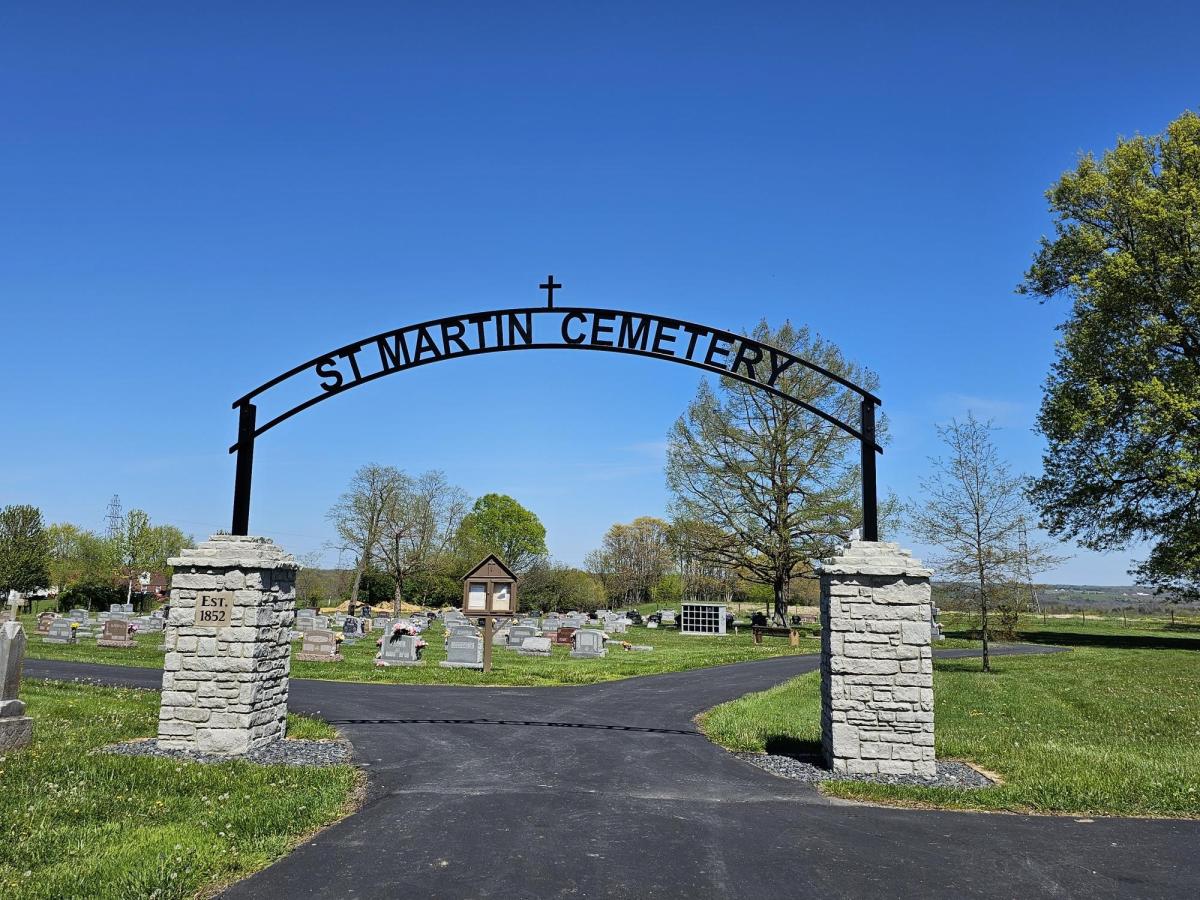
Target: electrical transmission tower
(1028, 572)
(114, 518)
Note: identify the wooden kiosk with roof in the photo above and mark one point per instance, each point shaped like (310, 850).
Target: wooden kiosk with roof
(489, 590)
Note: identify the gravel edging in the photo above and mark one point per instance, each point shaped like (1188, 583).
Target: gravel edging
(949, 774)
(281, 753)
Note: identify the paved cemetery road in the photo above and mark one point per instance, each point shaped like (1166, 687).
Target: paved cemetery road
(608, 790)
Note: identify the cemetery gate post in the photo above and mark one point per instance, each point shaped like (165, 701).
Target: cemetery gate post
(225, 676)
(876, 662)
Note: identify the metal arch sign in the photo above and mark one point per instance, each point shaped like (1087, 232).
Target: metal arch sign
(543, 328)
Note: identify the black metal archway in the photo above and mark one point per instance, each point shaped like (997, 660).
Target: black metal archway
(544, 328)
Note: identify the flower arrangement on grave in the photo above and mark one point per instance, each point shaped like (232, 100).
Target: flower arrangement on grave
(338, 638)
(74, 626)
(624, 645)
(399, 629)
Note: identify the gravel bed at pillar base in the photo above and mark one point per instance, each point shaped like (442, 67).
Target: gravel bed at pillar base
(280, 753)
(949, 774)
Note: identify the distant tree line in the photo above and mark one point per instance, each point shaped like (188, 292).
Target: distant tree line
(82, 567)
(414, 537)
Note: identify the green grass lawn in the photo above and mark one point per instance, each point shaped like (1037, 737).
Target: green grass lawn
(74, 824)
(672, 652)
(1110, 728)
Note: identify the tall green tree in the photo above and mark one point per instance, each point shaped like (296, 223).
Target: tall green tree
(142, 546)
(499, 524)
(24, 550)
(79, 555)
(1121, 412)
(777, 486)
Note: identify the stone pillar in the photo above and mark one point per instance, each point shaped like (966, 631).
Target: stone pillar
(16, 728)
(876, 662)
(225, 676)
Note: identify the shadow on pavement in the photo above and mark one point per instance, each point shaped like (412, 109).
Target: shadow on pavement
(513, 722)
(1113, 641)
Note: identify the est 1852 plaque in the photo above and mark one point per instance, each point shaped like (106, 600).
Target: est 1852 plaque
(213, 609)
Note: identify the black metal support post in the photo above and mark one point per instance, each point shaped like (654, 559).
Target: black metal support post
(245, 468)
(870, 503)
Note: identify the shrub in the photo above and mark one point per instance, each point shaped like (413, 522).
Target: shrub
(91, 594)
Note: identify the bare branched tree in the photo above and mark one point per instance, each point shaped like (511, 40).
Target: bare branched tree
(976, 511)
(418, 526)
(360, 512)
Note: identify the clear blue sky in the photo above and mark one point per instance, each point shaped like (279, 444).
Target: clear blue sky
(196, 197)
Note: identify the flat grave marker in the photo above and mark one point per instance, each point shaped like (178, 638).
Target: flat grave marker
(535, 646)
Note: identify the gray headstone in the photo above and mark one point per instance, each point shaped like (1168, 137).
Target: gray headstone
(12, 658)
(464, 651)
(520, 633)
(16, 728)
(399, 650)
(60, 632)
(588, 644)
(78, 615)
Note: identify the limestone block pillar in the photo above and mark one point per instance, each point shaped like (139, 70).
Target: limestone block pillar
(225, 676)
(876, 662)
